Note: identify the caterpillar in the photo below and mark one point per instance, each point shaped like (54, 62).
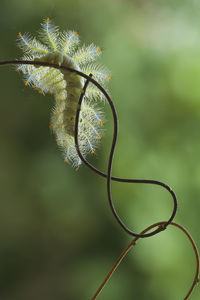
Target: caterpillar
(62, 48)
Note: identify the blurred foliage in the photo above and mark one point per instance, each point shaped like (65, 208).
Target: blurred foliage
(58, 237)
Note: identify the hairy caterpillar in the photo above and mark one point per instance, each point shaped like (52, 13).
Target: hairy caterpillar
(62, 48)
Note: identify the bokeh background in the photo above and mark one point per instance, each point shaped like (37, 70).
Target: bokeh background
(58, 238)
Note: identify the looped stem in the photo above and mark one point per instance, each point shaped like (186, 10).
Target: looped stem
(108, 175)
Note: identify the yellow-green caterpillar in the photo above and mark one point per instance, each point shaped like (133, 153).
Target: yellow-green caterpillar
(62, 48)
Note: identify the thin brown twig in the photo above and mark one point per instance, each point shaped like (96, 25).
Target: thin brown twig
(133, 242)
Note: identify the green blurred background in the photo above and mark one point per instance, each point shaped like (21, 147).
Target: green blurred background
(58, 238)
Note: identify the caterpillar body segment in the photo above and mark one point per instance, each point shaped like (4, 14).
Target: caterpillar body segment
(66, 87)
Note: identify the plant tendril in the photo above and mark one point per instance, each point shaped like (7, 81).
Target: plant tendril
(108, 175)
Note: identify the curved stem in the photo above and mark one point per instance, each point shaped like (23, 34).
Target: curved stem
(133, 242)
(108, 175)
